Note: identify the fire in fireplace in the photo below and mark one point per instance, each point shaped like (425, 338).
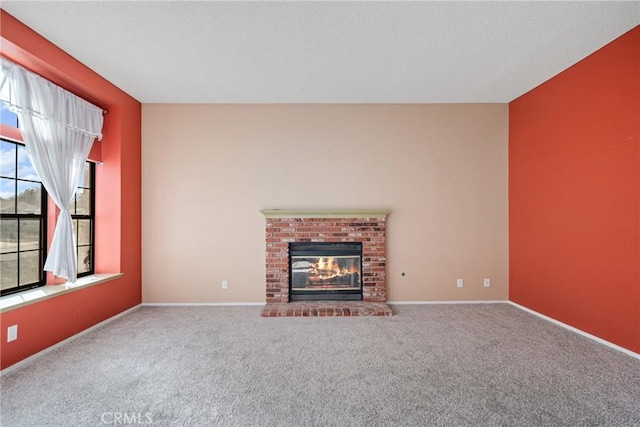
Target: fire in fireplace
(325, 271)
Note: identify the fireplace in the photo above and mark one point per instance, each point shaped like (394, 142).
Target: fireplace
(325, 262)
(321, 271)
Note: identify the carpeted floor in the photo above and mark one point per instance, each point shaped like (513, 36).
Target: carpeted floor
(450, 365)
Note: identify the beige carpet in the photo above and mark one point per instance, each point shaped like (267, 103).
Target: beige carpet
(427, 365)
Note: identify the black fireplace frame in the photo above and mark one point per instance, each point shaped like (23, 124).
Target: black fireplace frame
(324, 249)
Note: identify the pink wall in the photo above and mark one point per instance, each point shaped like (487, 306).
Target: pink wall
(440, 168)
(118, 208)
(574, 194)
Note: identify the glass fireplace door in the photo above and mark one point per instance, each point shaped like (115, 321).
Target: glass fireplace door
(325, 271)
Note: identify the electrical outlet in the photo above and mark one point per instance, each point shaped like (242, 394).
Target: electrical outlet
(460, 283)
(487, 282)
(225, 284)
(12, 333)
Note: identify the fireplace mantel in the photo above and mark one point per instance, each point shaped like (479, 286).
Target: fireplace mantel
(325, 213)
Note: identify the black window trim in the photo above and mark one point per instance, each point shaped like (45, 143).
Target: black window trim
(43, 216)
(91, 217)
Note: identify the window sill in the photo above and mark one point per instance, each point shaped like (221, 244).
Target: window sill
(21, 299)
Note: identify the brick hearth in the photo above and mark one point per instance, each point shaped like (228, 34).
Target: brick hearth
(326, 309)
(367, 227)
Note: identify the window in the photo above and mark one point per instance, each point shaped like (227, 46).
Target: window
(8, 117)
(23, 217)
(82, 210)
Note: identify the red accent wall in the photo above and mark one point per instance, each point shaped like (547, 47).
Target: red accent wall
(574, 195)
(118, 202)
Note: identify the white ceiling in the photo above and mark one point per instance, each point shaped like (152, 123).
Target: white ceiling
(327, 52)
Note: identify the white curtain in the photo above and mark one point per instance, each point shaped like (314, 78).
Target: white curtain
(58, 130)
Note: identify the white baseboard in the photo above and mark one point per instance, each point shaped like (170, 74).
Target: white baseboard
(446, 302)
(200, 304)
(31, 358)
(577, 331)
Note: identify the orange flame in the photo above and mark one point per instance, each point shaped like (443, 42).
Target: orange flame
(328, 268)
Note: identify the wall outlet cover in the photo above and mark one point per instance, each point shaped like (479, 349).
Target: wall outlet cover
(12, 333)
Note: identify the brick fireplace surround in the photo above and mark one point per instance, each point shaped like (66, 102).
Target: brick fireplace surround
(287, 226)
